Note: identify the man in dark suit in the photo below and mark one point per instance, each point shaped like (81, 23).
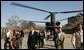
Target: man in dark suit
(32, 39)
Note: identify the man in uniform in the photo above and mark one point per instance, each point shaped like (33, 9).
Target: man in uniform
(59, 37)
(77, 37)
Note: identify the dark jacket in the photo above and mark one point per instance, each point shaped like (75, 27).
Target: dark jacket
(32, 40)
(22, 33)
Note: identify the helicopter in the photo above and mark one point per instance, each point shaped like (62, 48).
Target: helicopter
(49, 25)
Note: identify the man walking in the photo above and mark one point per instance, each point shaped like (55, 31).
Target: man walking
(77, 37)
(32, 39)
(59, 37)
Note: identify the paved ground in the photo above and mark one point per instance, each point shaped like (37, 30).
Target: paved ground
(48, 45)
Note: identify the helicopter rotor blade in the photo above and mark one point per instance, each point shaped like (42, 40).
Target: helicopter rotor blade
(38, 21)
(47, 17)
(70, 11)
(62, 19)
(17, 4)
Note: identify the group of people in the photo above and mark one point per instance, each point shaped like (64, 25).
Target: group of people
(76, 39)
(36, 38)
(59, 38)
(13, 39)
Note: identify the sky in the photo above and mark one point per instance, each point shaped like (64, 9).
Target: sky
(8, 10)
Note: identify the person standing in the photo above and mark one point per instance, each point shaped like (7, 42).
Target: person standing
(7, 43)
(59, 37)
(41, 38)
(77, 37)
(48, 34)
(32, 39)
(21, 37)
(17, 39)
(13, 40)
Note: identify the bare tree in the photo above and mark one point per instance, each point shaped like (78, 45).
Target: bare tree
(13, 22)
(26, 25)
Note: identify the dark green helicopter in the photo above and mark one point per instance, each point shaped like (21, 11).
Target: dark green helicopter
(50, 25)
